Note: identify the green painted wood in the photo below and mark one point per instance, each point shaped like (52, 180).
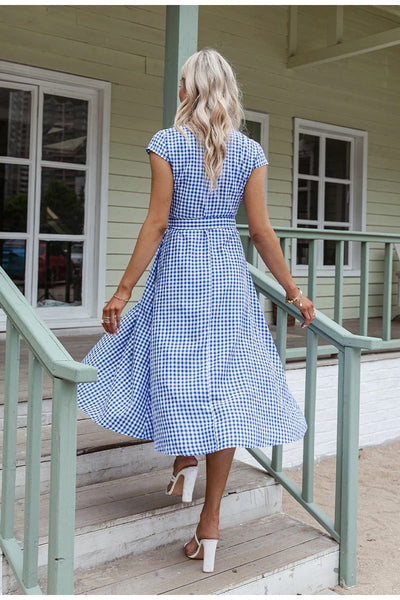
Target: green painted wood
(301, 352)
(339, 263)
(43, 343)
(60, 573)
(322, 325)
(309, 413)
(339, 441)
(332, 234)
(289, 485)
(180, 42)
(32, 473)
(364, 288)
(10, 431)
(349, 474)
(281, 343)
(14, 557)
(253, 255)
(387, 293)
(312, 270)
(285, 248)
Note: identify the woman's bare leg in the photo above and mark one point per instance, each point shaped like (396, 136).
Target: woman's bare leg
(218, 465)
(179, 463)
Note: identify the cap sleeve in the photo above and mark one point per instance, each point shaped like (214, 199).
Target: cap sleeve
(158, 145)
(259, 157)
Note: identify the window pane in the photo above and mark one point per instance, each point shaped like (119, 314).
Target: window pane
(60, 273)
(302, 247)
(337, 202)
(337, 159)
(308, 154)
(15, 119)
(12, 259)
(253, 130)
(330, 249)
(13, 197)
(307, 200)
(64, 129)
(62, 201)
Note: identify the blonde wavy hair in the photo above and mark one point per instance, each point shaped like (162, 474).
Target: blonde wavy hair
(212, 107)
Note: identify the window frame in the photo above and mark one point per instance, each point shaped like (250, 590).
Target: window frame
(358, 191)
(98, 94)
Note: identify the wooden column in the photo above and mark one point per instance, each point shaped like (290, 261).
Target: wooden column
(180, 43)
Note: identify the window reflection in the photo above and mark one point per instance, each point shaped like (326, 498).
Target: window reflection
(337, 158)
(302, 247)
(12, 259)
(60, 273)
(62, 206)
(308, 154)
(307, 203)
(65, 123)
(14, 180)
(15, 120)
(330, 249)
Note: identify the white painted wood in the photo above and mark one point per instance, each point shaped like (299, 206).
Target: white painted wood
(335, 25)
(358, 193)
(371, 43)
(133, 515)
(277, 550)
(98, 95)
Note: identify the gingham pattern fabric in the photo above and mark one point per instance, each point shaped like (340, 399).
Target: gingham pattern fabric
(194, 366)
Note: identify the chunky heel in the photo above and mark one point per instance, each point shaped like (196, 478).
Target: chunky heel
(209, 550)
(189, 475)
(209, 547)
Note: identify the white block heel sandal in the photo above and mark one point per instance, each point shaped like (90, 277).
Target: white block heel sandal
(209, 549)
(189, 475)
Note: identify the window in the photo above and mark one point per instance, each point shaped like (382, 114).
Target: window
(52, 191)
(328, 191)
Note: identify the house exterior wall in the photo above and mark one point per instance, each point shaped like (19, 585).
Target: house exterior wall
(125, 45)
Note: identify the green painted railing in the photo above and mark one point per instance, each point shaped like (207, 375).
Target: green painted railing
(366, 239)
(45, 351)
(344, 526)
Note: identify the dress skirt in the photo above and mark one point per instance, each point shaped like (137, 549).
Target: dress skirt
(194, 366)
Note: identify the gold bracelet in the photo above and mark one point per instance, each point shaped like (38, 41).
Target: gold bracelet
(122, 299)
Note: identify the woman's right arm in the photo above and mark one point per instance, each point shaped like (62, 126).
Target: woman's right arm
(266, 241)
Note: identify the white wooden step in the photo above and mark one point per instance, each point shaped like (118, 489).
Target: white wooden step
(133, 514)
(270, 555)
(102, 455)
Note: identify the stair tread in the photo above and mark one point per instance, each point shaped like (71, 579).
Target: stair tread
(127, 499)
(91, 437)
(245, 553)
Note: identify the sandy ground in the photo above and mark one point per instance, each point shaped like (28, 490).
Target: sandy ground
(378, 527)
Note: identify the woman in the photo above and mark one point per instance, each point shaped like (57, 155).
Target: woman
(193, 365)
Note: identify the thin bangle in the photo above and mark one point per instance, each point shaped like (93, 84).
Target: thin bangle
(122, 299)
(291, 301)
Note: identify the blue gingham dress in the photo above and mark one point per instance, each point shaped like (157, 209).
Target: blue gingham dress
(193, 366)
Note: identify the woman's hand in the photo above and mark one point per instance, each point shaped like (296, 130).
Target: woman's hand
(112, 314)
(305, 306)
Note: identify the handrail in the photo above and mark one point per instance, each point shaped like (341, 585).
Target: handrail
(309, 271)
(40, 339)
(343, 527)
(331, 234)
(322, 325)
(45, 351)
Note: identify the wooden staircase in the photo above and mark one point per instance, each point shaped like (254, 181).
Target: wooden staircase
(129, 534)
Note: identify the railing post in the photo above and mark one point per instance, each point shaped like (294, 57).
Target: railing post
(309, 413)
(32, 473)
(281, 340)
(10, 431)
(62, 489)
(349, 465)
(312, 270)
(387, 293)
(364, 285)
(339, 262)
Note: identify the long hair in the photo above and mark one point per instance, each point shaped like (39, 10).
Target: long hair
(212, 107)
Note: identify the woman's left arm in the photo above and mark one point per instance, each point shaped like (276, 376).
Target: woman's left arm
(149, 238)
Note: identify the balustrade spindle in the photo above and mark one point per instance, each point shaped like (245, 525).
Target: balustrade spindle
(339, 263)
(364, 285)
(387, 292)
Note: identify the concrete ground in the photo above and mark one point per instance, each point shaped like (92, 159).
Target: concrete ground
(378, 531)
